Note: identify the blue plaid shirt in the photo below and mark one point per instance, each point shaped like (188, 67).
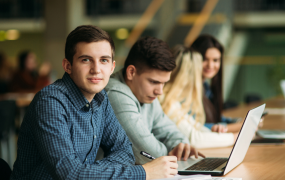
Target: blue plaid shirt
(61, 133)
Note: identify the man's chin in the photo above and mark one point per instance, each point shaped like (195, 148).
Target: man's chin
(149, 101)
(94, 91)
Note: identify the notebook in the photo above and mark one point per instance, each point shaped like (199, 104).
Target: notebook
(274, 134)
(271, 134)
(224, 165)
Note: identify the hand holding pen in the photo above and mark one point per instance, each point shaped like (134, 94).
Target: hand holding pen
(162, 167)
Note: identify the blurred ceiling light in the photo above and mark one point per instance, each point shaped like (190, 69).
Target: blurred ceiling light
(2, 35)
(122, 33)
(12, 34)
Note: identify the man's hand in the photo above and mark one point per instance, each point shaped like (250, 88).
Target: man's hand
(185, 151)
(219, 128)
(162, 167)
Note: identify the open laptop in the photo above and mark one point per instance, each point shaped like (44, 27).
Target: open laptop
(271, 133)
(221, 166)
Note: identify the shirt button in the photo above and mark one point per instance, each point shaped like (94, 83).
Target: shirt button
(87, 105)
(94, 136)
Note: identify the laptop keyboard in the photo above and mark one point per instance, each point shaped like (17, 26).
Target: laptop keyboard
(207, 164)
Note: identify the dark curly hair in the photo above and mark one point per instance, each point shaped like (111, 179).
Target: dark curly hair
(85, 33)
(150, 53)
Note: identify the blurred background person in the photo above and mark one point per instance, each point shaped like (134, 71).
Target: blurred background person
(5, 73)
(182, 101)
(27, 78)
(212, 52)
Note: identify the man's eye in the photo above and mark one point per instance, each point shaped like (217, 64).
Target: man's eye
(104, 60)
(85, 60)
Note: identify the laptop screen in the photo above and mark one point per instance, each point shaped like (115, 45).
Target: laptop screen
(245, 136)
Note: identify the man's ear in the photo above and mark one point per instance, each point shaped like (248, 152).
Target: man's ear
(66, 65)
(113, 66)
(131, 71)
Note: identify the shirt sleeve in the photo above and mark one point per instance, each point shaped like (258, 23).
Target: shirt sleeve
(53, 140)
(200, 136)
(158, 141)
(229, 120)
(115, 142)
(165, 130)
(209, 125)
(203, 137)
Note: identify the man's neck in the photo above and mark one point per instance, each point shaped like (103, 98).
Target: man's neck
(88, 96)
(129, 84)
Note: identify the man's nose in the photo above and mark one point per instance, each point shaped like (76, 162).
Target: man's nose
(95, 68)
(159, 89)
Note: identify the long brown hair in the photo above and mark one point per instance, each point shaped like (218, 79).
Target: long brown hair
(202, 44)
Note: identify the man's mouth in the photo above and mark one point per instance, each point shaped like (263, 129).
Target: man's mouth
(95, 79)
(152, 98)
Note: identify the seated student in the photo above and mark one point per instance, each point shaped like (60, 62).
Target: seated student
(183, 93)
(68, 120)
(133, 93)
(212, 52)
(27, 78)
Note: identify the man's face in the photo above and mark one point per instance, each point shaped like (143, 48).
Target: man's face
(92, 67)
(149, 84)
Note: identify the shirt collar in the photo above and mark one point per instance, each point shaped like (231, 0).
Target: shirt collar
(76, 96)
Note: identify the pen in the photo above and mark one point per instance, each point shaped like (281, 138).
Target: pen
(147, 155)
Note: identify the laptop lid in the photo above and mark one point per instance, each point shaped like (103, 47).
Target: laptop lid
(238, 152)
(244, 138)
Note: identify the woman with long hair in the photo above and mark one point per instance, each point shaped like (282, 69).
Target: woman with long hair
(212, 52)
(182, 101)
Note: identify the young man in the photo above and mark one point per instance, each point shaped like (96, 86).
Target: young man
(68, 121)
(133, 95)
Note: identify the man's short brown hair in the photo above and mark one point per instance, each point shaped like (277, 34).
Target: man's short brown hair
(85, 33)
(150, 53)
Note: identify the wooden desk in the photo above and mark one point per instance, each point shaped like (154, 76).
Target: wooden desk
(22, 99)
(261, 161)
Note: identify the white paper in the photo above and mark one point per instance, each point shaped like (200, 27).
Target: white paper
(225, 178)
(189, 177)
(199, 177)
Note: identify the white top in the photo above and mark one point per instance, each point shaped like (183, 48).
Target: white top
(202, 137)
